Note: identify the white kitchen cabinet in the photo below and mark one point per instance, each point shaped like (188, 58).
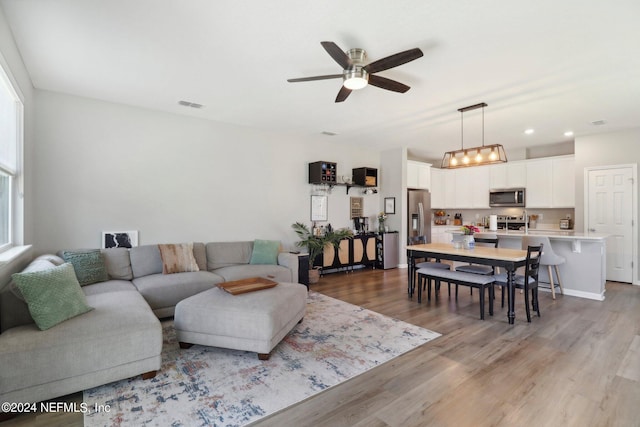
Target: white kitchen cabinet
(472, 188)
(450, 188)
(437, 189)
(539, 186)
(563, 182)
(418, 175)
(508, 175)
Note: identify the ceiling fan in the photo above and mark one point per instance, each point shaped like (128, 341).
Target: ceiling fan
(356, 75)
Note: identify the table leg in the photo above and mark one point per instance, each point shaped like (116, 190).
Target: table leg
(511, 296)
(411, 278)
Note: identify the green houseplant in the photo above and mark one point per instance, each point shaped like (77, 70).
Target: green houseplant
(315, 244)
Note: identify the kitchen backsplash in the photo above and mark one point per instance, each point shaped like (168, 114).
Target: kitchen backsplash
(547, 218)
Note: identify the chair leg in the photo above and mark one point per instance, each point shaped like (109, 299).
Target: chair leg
(534, 298)
(526, 303)
(481, 304)
(553, 287)
(491, 298)
(559, 281)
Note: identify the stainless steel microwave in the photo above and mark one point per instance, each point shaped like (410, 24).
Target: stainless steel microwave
(509, 197)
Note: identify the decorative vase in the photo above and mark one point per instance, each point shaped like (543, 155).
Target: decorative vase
(468, 242)
(314, 275)
(381, 226)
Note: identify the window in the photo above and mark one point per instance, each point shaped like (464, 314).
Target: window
(11, 110)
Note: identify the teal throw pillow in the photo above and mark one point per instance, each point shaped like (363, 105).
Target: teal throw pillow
(53, 295)
(88, 264)
(265, 252)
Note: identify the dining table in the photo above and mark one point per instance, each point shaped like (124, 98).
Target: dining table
(508, 259)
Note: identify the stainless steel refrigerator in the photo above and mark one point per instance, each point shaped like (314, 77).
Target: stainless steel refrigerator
(419, 217)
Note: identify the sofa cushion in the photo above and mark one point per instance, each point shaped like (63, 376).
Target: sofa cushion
(109, 286)
(120, 330)
(118, 263)
(200, 254)
(166, 290)
(223, 254)
(53, 259)
(53, 295)
(145, 260)
(272, 272)
(88, 264)
(265, 252)
(14, 311)
(178, 258)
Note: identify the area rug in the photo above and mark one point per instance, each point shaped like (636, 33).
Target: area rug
(208, 386)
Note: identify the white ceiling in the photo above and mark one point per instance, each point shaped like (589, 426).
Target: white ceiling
(551, 65)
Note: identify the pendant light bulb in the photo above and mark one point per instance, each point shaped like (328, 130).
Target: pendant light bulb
(465, 159)
(493, 156)
(453, 161)
(479, 157)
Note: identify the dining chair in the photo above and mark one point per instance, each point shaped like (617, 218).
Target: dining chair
(418, 240)
(549, 258)
(528, 281)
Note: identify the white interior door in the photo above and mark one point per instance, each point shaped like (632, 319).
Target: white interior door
(610, 211)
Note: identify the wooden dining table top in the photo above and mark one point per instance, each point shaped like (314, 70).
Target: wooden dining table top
(480, 252)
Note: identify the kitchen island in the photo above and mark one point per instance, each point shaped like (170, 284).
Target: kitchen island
(584, 272)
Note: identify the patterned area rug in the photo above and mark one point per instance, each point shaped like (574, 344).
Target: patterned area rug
(208, 386)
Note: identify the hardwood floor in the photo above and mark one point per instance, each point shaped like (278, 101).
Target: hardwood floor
(577, 365)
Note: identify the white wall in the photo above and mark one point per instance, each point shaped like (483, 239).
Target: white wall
(104, 166)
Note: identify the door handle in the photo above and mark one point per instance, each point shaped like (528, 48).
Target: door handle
(592, 230)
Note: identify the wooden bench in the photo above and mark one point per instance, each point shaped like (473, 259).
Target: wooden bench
(479, 281)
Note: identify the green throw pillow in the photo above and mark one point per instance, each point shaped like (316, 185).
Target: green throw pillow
(53, 295)
(265, 252)
(89, 265)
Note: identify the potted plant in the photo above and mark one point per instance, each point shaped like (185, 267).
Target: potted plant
(315, 244)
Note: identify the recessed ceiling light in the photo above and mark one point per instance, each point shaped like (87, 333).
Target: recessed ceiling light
(529, 131)
(568, 133)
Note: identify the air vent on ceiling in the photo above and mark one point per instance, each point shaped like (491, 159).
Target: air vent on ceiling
(326, 132)
(190, 104)
(598, 122)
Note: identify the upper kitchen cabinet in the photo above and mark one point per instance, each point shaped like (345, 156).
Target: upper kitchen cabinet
(472, 187)
(507, 175)
(438, 188)
(418, 175)
(539, 184)
(563, 182)
(551, 182)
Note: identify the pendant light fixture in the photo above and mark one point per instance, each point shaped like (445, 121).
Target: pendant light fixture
(475, 156)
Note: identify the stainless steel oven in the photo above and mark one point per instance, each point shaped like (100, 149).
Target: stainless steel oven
(508, 197)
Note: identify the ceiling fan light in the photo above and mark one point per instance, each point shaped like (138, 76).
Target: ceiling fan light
(356, 78)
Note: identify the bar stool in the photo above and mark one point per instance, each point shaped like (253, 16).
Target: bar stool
(549, 258)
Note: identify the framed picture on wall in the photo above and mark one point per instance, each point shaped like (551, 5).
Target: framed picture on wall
(390, 205)
(319, 208)
(119, 239)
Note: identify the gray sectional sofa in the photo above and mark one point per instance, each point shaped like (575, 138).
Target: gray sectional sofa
(121, 337)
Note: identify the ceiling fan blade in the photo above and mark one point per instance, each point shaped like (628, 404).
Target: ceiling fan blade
(393, 61)
(388, 84)
(337, 54)
(308, 79)
(343, 94)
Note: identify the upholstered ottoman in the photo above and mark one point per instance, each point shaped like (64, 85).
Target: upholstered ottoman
(254, 321)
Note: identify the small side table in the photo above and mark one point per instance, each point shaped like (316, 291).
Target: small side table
(303, 269)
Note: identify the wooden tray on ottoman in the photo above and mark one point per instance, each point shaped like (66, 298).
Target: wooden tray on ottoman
(237, 287)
